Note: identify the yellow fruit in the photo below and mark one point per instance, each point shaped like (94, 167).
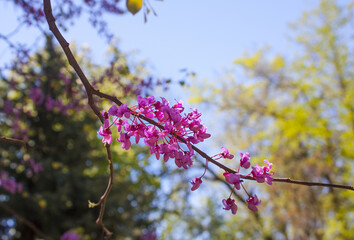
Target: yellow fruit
(134, 6)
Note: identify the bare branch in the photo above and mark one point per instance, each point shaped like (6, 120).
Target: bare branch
(72, 61)
(103, 198)
(13, 140)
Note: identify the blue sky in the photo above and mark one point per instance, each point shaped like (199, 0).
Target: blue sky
(203, 36)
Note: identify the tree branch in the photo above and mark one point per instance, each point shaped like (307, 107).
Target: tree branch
(91, 91)
(103, 198)
(72, 61)
(13, 140)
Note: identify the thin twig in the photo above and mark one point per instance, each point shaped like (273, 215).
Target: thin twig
(13, 140)
(103, 198)
(25, 221)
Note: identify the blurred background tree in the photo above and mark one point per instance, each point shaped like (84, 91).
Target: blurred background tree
(65, 163)
(299, 113)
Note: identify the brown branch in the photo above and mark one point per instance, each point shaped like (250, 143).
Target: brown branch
(72, 61)
(91, 91)
(13, 140)
(25, 221)
(103, 198)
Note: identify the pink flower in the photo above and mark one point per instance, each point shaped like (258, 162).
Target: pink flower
(113, 110)
(120, 111)
(125, 140)
(196, 183)
(263, 174)
(105, 116)
(244, 161)
(151, 136)
(179, 106)
(145, 105)
(161, 140)
(225, 153)
(230, 204)
(106, 134)
(233, 178)
(69, 235)
(253, 202)
(183, 160)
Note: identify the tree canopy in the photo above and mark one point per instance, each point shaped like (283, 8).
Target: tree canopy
(297, 111)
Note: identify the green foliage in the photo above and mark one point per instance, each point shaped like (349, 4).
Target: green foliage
(75, 167)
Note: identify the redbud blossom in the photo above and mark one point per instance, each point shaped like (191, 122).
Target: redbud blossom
(230, 204)
(233, 178)
(105, 116)
(263, 174)
(174, 129)
(253, 202)
(106, 134)
(244, 161)
(196, 183)
(225, 153)
(125, 140)
(160, 140)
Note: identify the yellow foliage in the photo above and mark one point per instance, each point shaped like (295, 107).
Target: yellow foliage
(195, 99)
(91, 172)
(278, 63)
(13, 95)
(249, 61)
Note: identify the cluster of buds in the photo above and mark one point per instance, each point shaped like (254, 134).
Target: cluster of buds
(175, 127)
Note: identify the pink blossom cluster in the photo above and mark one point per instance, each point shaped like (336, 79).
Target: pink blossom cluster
(34, 167)
(165, 140)
(263, 174)
(38, 97)
(70, 235)
(260, 174)
(9, 184)
(162, 141)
